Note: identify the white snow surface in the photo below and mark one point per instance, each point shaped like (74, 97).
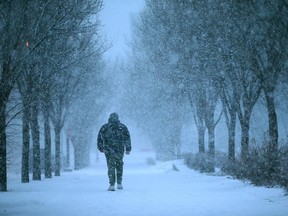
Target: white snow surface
(148, 190)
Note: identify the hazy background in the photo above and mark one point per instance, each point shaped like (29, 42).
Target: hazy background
(116, 19)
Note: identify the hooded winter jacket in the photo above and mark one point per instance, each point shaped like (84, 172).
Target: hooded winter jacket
(114, 137)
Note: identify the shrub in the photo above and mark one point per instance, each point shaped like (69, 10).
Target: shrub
(200, 161)
(283, 172)
(260, 168)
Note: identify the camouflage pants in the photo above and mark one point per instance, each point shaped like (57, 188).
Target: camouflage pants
(115, 168)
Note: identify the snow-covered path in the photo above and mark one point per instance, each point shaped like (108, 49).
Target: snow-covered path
(148, 190)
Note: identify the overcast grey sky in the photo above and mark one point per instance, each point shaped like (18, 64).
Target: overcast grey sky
(116, 21)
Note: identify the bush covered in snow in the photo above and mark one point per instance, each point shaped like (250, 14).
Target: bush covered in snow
(283, 155)
(200, 161)
(257, 168)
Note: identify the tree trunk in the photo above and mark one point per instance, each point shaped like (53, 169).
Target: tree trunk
(176, 141)
(5, 89)
(36, 141)
(47, 134)
(231, 136)
(229, 102)
(209, 121)
(77, 155)
(273, 134)
(211, 141)
(3, 148)
(26, 142)
(272, 117)
(67, 164)
(211, 149)
(201, 137)
(57, 130)
(81, 152)
(245, 127)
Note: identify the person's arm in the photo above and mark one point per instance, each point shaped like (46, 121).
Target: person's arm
(100, 139)
(128, 146)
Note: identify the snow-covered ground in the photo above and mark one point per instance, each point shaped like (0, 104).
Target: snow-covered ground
(148, 190)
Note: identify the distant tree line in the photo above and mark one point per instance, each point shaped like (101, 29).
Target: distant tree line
(217, 58)
(50, 55)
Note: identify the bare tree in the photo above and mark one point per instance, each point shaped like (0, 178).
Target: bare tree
(13, 50)
(270, 54)
(80, 44)
(27, 29)
(229, 95)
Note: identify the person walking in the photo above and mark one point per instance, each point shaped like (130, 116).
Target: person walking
(114, 140)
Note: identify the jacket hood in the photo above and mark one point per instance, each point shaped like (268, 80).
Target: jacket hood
(113, 118)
